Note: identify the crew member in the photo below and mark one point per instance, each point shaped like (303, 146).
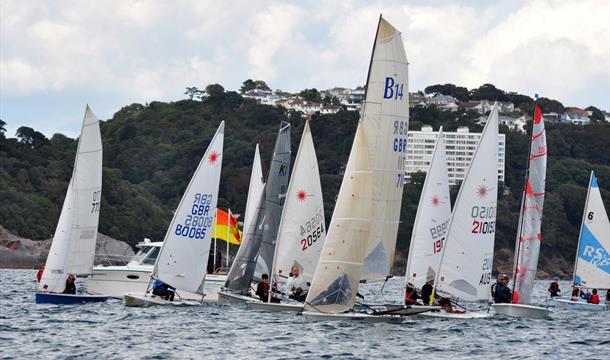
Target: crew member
(554, 288)
(163, 290)
(500, 291)
(70, 286)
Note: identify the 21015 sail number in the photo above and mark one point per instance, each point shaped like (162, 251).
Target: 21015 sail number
(483, 226)
(312, 231)
(199, 220)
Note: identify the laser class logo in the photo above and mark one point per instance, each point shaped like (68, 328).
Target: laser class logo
(213, 157)
(482, 191)
(435, 201)
(302, 195)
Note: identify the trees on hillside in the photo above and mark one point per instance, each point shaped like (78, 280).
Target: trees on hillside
(253, 85)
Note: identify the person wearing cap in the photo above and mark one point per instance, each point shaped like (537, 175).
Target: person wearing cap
(500, 291)
(410, 295)
(554, 287)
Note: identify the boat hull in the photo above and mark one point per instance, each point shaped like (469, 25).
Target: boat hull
(227, 298)
(351, 316)
(408, 310)
(576, 305)
(52, 298)
(522, 310)
(275, 307)
(456, 316)
(147, 300)
(115, 281)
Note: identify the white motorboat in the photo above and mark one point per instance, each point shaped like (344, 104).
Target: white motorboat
(115, 281)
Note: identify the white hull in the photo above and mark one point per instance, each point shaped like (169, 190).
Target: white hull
(147, 300)
(576, 305)
(457, 316)
(407, 310)
(227, 298)
(352, 316)
(275, 307)
(521, 310)
(115, 281)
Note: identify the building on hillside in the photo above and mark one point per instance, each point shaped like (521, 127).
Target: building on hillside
(485, 106)
(576, 116)
(606, 116)
(552, 118)
(460, 147)
(510, 122)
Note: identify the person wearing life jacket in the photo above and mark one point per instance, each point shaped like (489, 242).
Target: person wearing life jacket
(410, 295)
(500, 291)
(296, 287)
(594, 298)
(554, 288)
(39, 274)
(70, 286)
(163, 290)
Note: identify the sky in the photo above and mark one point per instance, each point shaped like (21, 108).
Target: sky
(58, 56)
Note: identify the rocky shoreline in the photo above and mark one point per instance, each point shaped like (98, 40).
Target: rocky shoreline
(21, 253)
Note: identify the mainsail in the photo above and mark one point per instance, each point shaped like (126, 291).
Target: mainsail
(335, 282)
(592, 267)
(385, 120)
(467, 258)
(255, 190)
(73, 247)
(275, 194)
(265, 218)
(302, 230)
(183, 257)
(431, 222)
(530, 218)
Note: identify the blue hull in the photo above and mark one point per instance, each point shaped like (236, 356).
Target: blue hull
(51, 298)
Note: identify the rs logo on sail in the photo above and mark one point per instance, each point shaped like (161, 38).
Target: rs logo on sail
(598, 256)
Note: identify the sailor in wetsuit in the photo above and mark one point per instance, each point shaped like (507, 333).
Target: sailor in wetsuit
(426, 291)
(500, 291)
(70, 286)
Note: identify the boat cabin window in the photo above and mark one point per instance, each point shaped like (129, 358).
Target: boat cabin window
(152, 256)
(140, 255)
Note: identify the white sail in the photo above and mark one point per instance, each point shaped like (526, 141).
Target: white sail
(530, 216)
(302, 230)
(335, 282)
(431, 222)
(592, 268)
(184, 256)
(385, 120)
(466, 263)
(255, 191)
(73, 247)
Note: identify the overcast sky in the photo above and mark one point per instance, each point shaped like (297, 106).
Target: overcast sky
(57, 56)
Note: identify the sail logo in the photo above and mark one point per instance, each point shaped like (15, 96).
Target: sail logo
(393, 90)
(593, 252)
(283, 170)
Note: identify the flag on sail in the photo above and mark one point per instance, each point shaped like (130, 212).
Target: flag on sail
(225, 224)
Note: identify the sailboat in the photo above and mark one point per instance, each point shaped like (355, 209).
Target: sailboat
(302, 231)
(592, 265)
(362, 234)
(183, 258)
(431, 221)
(73, 247)
(262, 227)
(529, 236)
(467, 254)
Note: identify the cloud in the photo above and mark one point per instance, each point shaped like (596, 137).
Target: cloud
(113, 53)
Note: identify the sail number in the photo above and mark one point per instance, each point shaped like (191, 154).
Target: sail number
(393, 90)
(312, 231)
(483, 226)
(95, 204)
(199, 220)
(486, 271)
(436, 232)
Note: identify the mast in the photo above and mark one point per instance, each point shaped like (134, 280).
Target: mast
(582, 224)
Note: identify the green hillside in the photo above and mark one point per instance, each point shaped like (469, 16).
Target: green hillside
(151, 151)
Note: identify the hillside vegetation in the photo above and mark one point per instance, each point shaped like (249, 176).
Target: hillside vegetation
(151, 151)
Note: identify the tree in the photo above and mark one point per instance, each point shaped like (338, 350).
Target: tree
(458, 92)
(215, 90)
(2, 128)
(31, 137)
(488, 92)
(311, 95)
(597, 115)
(191, 92)
(550, 105)
(253, 85)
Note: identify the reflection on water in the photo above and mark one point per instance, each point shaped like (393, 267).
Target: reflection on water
(110, 330)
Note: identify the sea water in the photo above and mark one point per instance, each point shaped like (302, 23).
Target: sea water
(112, 331)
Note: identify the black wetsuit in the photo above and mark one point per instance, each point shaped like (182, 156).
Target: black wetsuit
(554, 289)
(502, 294)
(426, 292)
